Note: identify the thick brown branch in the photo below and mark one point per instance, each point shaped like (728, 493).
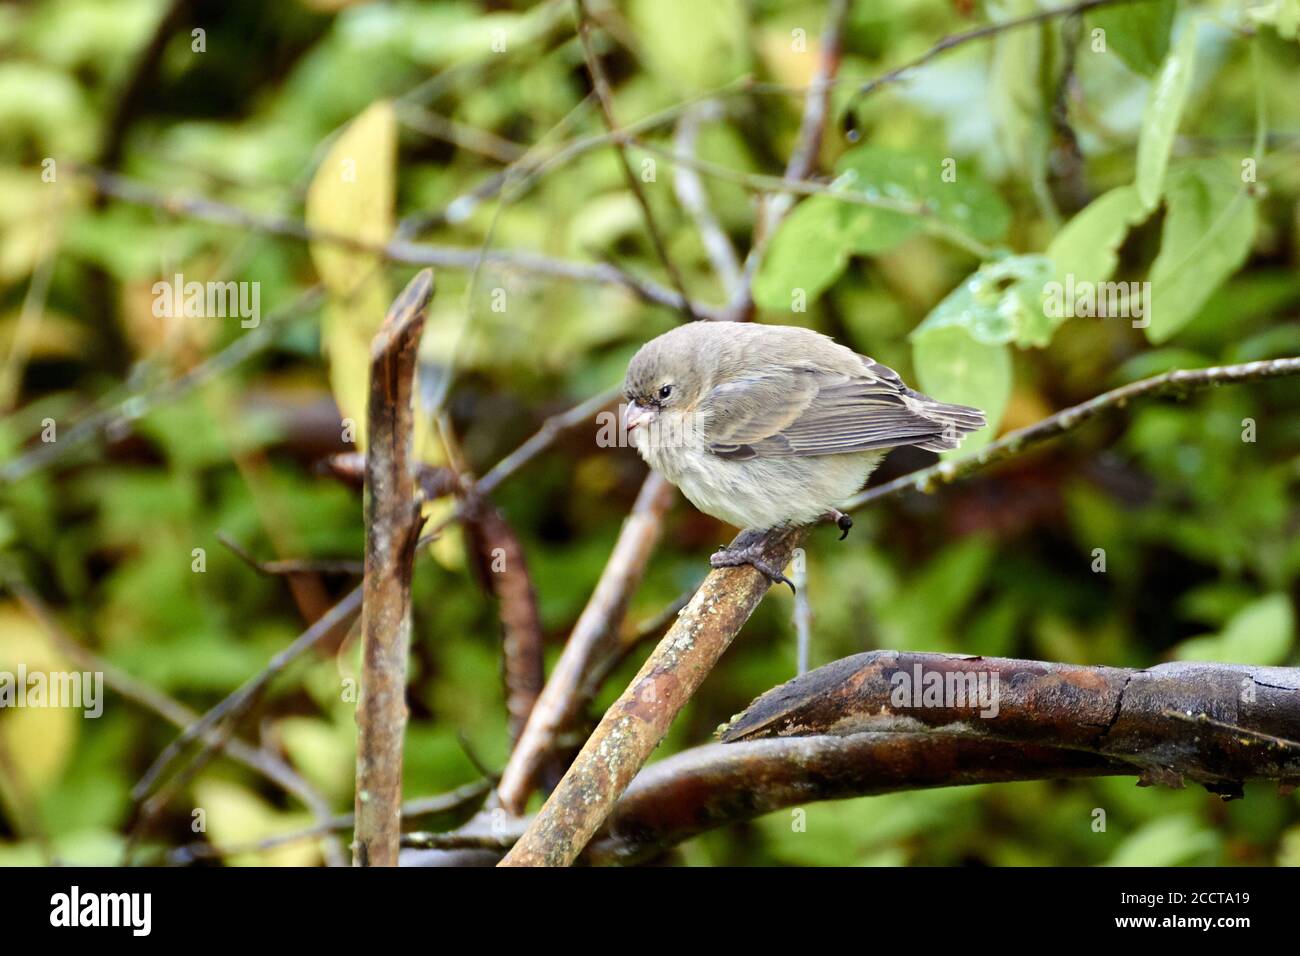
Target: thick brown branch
(1247, 718)
(392, 524)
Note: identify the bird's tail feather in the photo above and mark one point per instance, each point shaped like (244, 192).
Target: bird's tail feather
(957, 421)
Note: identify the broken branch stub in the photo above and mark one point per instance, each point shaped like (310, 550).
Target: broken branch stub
(392, 524)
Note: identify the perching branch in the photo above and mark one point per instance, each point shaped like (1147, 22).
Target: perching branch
(636, 723)
(566, 693)
(392, 526)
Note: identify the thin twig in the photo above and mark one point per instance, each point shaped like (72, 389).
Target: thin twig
(978, 33)
(424, 806)
(397, 250)
(804, 157)
(601, 86)
(1178, 382)
(119, 415)
(290, 566)
(694, 199)
(240, 701)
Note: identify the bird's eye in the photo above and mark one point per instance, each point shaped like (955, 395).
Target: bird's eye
(665, 392)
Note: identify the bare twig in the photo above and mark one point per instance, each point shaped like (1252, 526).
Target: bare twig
(392, 526)
(551, 429)
(562, 696)
(1178, 382)
(691, 194)
(238, 703)
(290, 566)
(802, 617)
(424, 806)
(480, 141)
(398, 250)
(118, 416)
(978, 33)
(804, 158)
(600, 85)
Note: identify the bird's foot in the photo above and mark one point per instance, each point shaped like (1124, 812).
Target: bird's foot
(751, 554)
(842, 521)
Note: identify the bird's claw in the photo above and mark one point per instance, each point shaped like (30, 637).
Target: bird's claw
(735, 557)
(842, 521)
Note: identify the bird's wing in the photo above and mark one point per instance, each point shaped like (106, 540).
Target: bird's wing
(803, 411)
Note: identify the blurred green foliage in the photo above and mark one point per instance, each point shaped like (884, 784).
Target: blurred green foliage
(1130, 167)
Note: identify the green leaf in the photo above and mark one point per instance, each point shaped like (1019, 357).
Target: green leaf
(812, 246)
(1138, 33)
(1164, 110)
(808, 253)
(1260, 633)
(1207, 235)
(692, 46)
(1087, 246)
(1282, 15)
(1166, 842)
(953, 195)
(352, 194)
(1000, 302)
(954, 367)
(1016, 96)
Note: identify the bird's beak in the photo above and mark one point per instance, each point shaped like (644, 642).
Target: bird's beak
(634, 415)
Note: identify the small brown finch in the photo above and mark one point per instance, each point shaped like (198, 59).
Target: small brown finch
(765, 426)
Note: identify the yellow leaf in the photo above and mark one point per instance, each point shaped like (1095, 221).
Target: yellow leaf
(234, 815)
(352, 195)
(38, 739)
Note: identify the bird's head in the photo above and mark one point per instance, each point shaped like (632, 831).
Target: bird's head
(664, 384)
